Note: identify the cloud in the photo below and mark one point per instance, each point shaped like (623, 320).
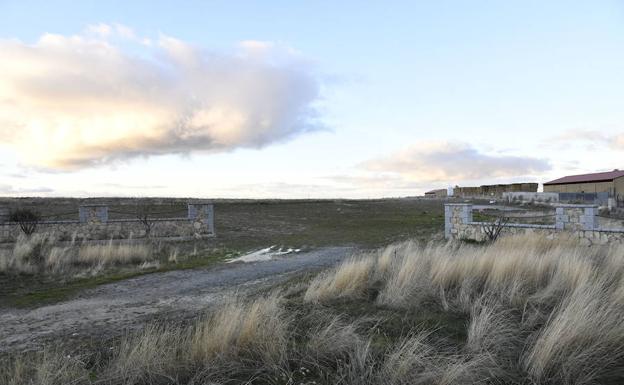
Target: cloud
(133, 187)
(10, 190)
(591, 137)
(69, 102)
(452, 161)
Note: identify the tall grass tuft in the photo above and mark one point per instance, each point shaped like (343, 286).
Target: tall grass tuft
(41, 254)
(545, 310)
(350, 279)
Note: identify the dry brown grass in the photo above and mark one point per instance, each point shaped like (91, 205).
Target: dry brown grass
(549, 308)
(258, 329)
(538, 312)
(350, 279)
(45, 368)
(41, 254)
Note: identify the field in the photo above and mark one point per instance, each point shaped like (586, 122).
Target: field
(241, 226)
(375, 296)
(523, 310)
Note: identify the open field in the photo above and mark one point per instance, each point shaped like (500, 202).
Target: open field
(241, 226)
(245, 224)
(524, 310)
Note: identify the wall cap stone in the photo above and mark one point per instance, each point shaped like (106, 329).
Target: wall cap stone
(603, 230)
(572, 205)
(521, 225)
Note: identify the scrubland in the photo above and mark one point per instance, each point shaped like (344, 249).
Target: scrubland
(523, 310)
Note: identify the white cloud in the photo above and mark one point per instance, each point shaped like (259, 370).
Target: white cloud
(592, 137)
(11, 190)
(68, 102)
(451, 162)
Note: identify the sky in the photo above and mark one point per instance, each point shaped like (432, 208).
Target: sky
(314, 99)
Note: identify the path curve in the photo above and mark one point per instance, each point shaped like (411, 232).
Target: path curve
(112, 309)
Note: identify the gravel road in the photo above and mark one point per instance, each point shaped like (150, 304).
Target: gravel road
(114, 308)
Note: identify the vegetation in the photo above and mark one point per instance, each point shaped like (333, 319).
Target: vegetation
(26, 218)
(40, 253)
(492, 230)
(521, 310)
(35, 271)
(38, 269)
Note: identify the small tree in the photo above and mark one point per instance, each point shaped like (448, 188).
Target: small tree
(143, 213)
(26, 218)
(493, 229)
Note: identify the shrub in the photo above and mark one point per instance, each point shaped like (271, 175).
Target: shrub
(26, 218)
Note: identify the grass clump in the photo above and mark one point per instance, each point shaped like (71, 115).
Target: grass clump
(42, 254)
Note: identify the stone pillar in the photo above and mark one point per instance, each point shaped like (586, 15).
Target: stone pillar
(201, 214)
(93, 213)
(455, 215)
(4, 214)
(576, 217)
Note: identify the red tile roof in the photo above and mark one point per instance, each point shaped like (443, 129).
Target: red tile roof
(585, 178)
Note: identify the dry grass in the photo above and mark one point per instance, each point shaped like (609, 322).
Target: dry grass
(46, 368)
(255, 330)
(350, 279)
(258, 329)
(41, 254)
(537, 312)
(113, 254)
(548, 310)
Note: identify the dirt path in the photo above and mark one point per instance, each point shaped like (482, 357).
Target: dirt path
(114, 308)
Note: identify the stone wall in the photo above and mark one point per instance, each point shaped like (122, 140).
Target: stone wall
(578, 220)
(93, 224)
(545, 197)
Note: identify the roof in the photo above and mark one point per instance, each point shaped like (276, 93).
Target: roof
(585, 178)
(435, 191)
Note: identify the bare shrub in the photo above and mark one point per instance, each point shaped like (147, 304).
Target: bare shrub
(27, 219)
(145, 215)
(492, 230)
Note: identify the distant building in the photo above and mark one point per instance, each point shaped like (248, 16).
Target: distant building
(494, 190)
(438, 193)
(611, 182)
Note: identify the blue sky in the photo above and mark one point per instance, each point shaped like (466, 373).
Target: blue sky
(321, 99)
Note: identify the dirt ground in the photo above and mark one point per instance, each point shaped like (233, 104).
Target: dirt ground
(113, 309)
(35, 310)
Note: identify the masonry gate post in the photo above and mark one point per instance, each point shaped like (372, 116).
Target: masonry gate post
(456, 215)
(95, 213)
(574, 217)
(201, 214)
(4, 214)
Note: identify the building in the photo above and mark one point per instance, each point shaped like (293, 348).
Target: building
(611, 182)
(439, 193)
(494, 190)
